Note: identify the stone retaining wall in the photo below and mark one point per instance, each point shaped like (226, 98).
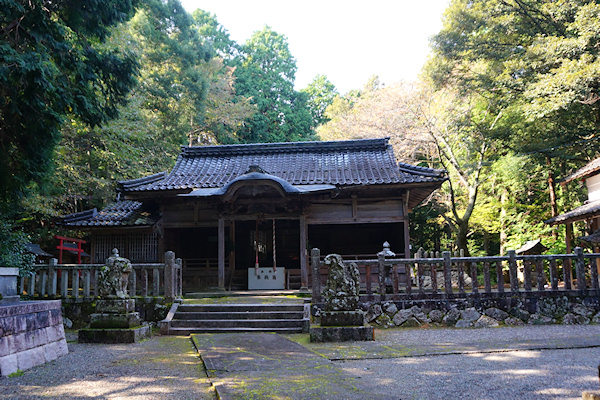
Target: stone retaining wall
(31, 333)
(484, 310)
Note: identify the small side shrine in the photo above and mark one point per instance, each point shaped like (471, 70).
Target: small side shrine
(590, 210)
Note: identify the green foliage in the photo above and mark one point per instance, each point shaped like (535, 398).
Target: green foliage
(12, 247)
(321, 93)
(265, 72)
(537, 59)
(16, 374)
(53, 63)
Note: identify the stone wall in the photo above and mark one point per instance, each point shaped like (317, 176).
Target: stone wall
(484, 310)
(31, 333)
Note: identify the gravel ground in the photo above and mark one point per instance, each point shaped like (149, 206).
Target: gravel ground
(531, 362)
(163, 367)
(526, 374)
(490, 371)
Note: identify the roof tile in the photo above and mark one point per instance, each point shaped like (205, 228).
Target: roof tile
(342, 163)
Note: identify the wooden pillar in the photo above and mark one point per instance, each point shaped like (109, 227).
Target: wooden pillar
(406, 238)
(303, 255)
(221, 244)
(405, 212)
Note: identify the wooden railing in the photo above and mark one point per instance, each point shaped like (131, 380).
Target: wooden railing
(78, 282)
(394, 278)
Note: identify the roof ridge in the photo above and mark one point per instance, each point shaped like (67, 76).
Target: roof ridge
(587, 169)
(286, 147)
(128, 184)
(422, 170)
(81, 215)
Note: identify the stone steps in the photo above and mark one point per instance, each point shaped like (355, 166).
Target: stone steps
(237, 315)
(185, 319)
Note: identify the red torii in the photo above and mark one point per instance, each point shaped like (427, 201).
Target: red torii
(60, 247)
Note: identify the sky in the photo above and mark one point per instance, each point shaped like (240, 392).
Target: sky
(348, 41)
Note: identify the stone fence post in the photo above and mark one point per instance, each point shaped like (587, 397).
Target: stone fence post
(580, 269)
(315, 263)
(512, 266)
(170, 276)
(381, 266)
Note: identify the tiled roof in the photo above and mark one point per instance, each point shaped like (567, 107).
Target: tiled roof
(341, 163)
(120, 213)
(588, 210)
(584, 172)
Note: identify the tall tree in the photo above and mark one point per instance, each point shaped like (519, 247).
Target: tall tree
(53, 63)
(265, 72)
(321, 93)
(537, 58)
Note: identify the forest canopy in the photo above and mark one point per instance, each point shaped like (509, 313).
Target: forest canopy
(93, 93)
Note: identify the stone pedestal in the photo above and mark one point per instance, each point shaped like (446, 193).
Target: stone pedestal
(341, 333)
(341, 326)
(115, 321)
(8, 285)
(341, 321)
(342, 318)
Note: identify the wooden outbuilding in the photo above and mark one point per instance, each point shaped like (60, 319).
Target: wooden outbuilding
(237, 214)
(590, 210)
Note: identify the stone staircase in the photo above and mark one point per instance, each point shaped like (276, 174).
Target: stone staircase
(184, 319)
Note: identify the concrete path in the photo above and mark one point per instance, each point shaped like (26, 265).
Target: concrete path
(531, 362)
(269, 366)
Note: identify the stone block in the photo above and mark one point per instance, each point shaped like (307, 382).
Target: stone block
(131, 335)
(8, 365)
(390, 309)
(496, 313)
(411, 322)
(50, 351)
(341, 333)
(4, 349)
(436, 316)
(24, 360)
(106, 320)
(20, 323)
(115, 306)
(451, 317)
(463, 323)
(470, 315)
(486, 322)
(22, 342)
(62, 348)
(342, 318)
(40, 337)
(55, 317)
(55, 333)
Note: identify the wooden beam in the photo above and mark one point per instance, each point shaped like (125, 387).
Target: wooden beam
(303, 255)
(221, 244)
(406, 240)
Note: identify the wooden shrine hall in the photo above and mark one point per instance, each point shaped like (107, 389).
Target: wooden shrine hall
(247, 215)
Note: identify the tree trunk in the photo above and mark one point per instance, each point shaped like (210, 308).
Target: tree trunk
(461, 236)
(503, 233)
(552, 191)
